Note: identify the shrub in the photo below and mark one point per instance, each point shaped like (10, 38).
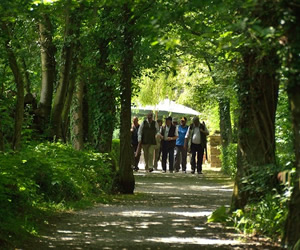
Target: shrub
(265, 217)
(41, 176)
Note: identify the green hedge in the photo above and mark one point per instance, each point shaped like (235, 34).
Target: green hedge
(42, 176)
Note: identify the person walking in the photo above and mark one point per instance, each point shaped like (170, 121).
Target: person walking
(180, 150)
(134, 142)
(169, 134)
(197, 133)
(146, 138)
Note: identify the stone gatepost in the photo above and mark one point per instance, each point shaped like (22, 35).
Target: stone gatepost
(215, 152)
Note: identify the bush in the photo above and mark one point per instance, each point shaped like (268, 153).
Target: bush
(229, 159)
(44, 175)
(265, 217)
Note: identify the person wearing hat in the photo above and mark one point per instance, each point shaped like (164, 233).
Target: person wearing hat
(174, 121)
(146, 138)
(197, 133)
(169, 134)
(180, 150)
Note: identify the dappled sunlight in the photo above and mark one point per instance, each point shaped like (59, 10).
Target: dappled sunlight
(193, 240)
(192, 214)
(165, 212)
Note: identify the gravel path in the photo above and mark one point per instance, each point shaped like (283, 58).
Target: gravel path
(168, 211)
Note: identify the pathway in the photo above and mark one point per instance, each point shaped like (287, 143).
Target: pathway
(168, 211)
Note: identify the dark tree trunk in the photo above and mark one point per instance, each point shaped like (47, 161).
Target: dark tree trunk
(106, 91)
(127, 181)
(72, 26)
(19, 113)
(48, 62)
(258, 94)
(225, 121)
(292, 227)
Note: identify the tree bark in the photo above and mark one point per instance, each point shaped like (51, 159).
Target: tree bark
(258, 94)
(72, 23)
(48, 63)
(106, 91)
(127, 181)
(19, 114)
(292, 227)
(68, 101)
(225, 121)
(77, 114)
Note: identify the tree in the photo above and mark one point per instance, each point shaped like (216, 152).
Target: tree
(15, 68)
(48, 64)
(72, 27)
(127, 182)
(291, 41)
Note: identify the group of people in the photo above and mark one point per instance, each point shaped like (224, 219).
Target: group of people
(170, 140)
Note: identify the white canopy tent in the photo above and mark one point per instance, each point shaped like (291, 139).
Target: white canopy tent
(166, 107)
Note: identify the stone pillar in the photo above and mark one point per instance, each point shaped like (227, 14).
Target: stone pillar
(214, 145)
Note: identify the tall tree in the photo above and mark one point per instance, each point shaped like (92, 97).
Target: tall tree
(258, 94)
(127, 182)
(48, 63)
(72, 25)
(15, 68)
(291, 40)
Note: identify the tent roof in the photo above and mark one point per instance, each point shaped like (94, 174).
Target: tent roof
(169, 107)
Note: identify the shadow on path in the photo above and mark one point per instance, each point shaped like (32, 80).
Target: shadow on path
(168, 211)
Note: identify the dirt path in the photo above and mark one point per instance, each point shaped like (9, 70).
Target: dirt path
(168, 211)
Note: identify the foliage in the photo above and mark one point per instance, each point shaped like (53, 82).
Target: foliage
(219, 215)
(229, 158)
(43, 176)
(284, 132)
(264, 217)
(259, 179)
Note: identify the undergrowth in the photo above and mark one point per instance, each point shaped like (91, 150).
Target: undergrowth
(45, 178)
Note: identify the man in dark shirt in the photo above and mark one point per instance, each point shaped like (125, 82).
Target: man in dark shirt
(169, 134)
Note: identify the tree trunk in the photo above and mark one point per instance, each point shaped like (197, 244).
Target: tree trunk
(77, 114)
(127, 182)
(258, 93)
(48, 63)
(68, 101)
(86, 116)
(19, 114)
(72, 23)
(292, 227)
(225, 121)
(106, 91)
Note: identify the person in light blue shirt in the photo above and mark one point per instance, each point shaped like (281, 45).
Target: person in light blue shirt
(180, 150)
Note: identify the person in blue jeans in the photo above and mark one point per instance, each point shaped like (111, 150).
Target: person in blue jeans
(197, 133)
(180, 150)
(169, 134)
